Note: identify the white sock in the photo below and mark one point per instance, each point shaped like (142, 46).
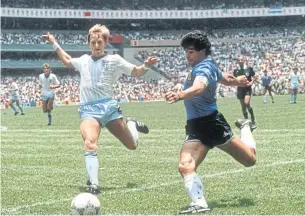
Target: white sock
(194, 188)
(247, 138)
(265, 98)
(133, 130)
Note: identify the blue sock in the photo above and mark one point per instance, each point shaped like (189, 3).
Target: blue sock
(13, 107)
(50, 117)
(20, 107)
(92, 166)
(291, 98)
(295, 98)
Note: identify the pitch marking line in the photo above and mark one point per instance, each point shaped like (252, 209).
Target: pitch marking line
(10, 210)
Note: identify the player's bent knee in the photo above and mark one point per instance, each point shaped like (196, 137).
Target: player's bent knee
(90, 145)
(250, 162)
(186, 166)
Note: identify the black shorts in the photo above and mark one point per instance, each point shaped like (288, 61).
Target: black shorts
(267, 88)
(212, 130)
(243, 91)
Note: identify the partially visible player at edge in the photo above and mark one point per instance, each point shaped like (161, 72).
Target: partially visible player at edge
(244, 93)
(207, 128)
(266, 81)
(293, 84)
(14, 96)
(49, 82)
(99, 71)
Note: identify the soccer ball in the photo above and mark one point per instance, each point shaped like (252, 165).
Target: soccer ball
(85, 204)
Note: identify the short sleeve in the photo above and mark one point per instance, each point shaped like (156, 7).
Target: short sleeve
(123, 66)
(77, 63)
(55, 80)
(203, 72)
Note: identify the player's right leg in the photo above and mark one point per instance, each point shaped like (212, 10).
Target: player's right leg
(50, 102)
(270, 93)
(264, 95)
(193, 152)
(295, 92)
(90, 130)
(20, 108)
(11, 102)
(44, 104)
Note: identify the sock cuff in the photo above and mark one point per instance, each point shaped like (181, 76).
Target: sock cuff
(189, 177)
(91, 153)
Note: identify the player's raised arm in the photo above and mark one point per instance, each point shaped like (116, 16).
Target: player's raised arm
(64, 57)
(142, 69)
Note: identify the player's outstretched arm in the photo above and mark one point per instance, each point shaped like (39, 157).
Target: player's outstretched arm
(64, 57)
(142, 69)
(230, 80)
(199, 85)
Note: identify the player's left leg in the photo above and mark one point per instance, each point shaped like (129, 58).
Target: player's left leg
(270, 93)
(50, 102)
(20, 107)
(13, 106)
(127, 132)
(295, 92)
(247, 100)
(264, 95)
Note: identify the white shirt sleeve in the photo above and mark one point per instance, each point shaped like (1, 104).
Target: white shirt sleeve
(123, 66)
(55, 80)
(78, 62)
(40, 80)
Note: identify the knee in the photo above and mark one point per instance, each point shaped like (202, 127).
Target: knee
(251, 161)
(90, 145)
(186, 166)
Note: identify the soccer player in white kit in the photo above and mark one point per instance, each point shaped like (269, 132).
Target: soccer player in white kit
(98, 109)
(49, 82)
(14, 96)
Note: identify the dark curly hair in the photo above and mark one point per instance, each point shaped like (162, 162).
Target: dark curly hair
(198, 40)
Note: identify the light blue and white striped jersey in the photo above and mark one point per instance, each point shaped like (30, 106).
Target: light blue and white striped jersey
(205, 103)
(294, 78)
(266, 80)
(98, 77)
(46, 82)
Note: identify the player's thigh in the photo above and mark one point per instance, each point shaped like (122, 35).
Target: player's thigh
(264, 91)
(119, 129)
(18, 102)
(50, 103)
(247, 99)
(191, 155)
(239, 151)
(12, 101)
(90, 130)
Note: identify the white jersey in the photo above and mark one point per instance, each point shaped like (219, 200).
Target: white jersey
(98, 77)
(14, 86)
(46, 82)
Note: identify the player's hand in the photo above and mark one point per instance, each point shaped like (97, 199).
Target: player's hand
(172, 97)
(150, 61)
(49, 37)
(242, 81)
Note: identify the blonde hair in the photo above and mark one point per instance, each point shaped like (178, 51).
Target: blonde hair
(99, 29)
(46, 65)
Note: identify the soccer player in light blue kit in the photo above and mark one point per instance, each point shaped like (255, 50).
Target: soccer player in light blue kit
(14, 96)
(207, 128)
(294, 80)
(98, 109)
(266, 83)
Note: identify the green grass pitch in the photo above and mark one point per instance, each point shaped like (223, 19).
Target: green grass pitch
(43, 168)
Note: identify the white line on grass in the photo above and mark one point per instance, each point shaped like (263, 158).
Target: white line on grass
(11, 210)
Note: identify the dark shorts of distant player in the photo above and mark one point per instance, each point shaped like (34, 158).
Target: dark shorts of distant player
(268, 88)
(243, 91)
(212, 130)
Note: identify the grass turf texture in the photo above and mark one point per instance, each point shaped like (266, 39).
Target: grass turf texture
(43, 168)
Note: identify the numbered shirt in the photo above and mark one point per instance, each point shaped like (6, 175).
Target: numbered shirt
(45, 82)
(98, 77)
